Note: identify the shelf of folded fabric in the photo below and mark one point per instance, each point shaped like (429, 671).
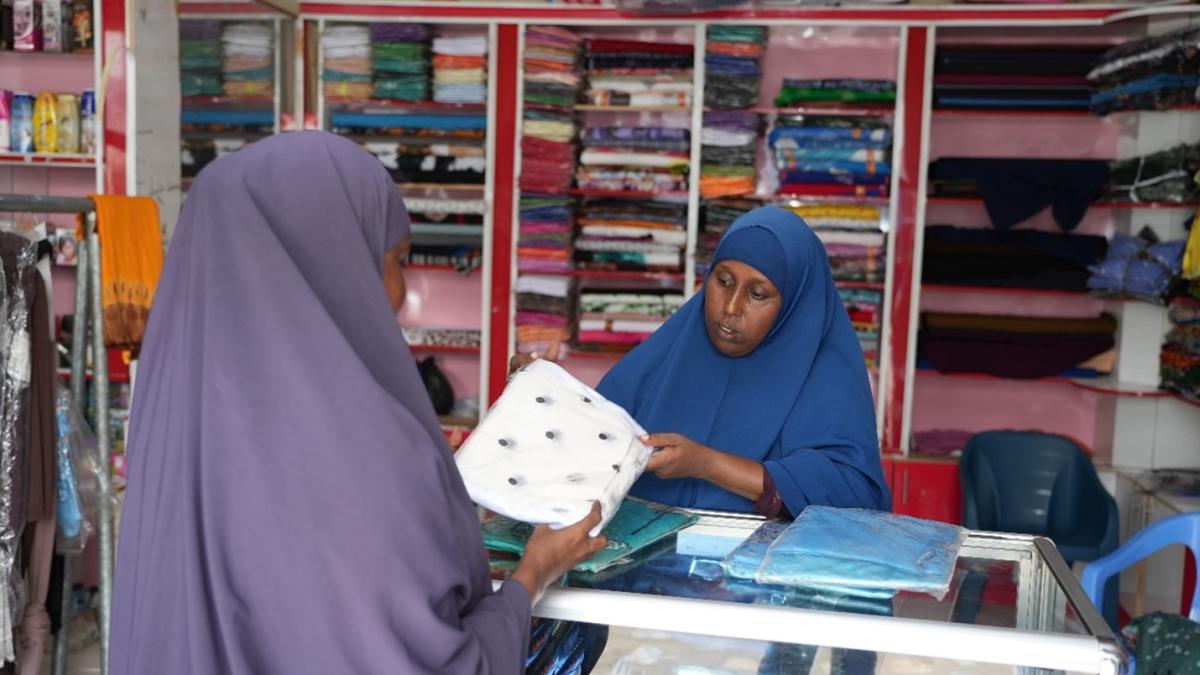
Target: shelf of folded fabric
(47, 160)
(948, 201)
(396, 104)
(833, 109)
(444, 349)
(452, 187)
(583, 107)
(1007, 290)
(627, 194)
(629, 275)
(799, 196)
(433, 234)
(223, 102)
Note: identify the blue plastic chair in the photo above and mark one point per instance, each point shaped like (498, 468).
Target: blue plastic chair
(1036, 483)
(1182, 529)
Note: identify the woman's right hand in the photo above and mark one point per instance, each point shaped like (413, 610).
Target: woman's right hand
(549, 554)
(519, 361)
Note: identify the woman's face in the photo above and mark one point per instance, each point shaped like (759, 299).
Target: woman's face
(740, 306)
(394, 262)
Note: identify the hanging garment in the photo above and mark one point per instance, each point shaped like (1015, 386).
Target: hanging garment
(862, 552)
(131, 260)
(549, 448)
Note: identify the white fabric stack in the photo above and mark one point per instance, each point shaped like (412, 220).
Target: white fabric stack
(549, 448)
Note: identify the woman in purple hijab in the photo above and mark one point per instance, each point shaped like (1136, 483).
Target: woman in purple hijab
(292, 506)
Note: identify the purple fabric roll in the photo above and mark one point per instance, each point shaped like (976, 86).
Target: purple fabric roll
(292, 505)
(399, 32)
(200, 29)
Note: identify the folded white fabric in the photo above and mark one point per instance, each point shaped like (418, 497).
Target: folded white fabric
(549, 448)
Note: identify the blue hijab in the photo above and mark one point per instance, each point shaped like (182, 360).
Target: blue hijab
(800, 403)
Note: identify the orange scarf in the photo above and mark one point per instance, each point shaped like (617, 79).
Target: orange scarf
(131, 260)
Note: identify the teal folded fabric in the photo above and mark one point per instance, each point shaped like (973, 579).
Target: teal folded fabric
(635, 526)
(862, 552)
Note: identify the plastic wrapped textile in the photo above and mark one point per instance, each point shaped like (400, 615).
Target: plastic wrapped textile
(1184, 311)
(550, 448)
(1167, 176)
(1164, 53)
(635, 526)
(743, 562)
(859, 551)
(1138, 267)
(78, 475)
(18, 256)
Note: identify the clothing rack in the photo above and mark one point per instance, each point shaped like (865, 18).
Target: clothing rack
(89, 322)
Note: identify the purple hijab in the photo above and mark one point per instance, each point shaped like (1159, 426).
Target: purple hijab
(292, 507)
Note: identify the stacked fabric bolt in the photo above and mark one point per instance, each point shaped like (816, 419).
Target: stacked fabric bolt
(864, 308)
(1142, 267)
(1019, 258)
(832, 156)
(460, 69)
(624, 234)
(733, 66)
(1151, 74)
(716, 217)
(544, 311)
(1011, 77)
(552, 83)
(728, 154)
(400, 61)
(634, 159)
(421, 147)
(248, 59)
(800, 92)
(347, 59)
(616, 321)
(432, 210)
(1166, 176)
(1179, 360)
(855, 256)
(465, 338)
(200, 58)
(1018, 347)
(546, 231)
(626, 73)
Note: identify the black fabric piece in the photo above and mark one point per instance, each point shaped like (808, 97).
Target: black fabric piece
(1016, 61)
(1014, 190)
(1009, 258)
(440, 391)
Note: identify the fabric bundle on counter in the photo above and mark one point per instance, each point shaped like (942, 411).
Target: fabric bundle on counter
(800, 92)
(248, 59)
(444, 148)
(633, 159)
(614, 321)
(715, 218)
(400, 61)
(729, 153)
(200, 62)
(1151, 74)
(855, 255)
(550, 448)
(467, 338)
(1014, 190)
(866, 315)
(545, 309)
(732, 66)
(1009, 258)
(1013, 77)
(624, 234)
(832, 156)
(546, 230)
(1014, 346)
(625, 73)
(548, 143)
(1165, 176)
(1139, 267)
(460, 69)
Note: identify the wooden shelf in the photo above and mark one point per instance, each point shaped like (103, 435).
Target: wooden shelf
(47, 160)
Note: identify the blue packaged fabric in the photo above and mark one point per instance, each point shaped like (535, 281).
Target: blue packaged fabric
(863, 552)
(743, 562)
(882, 135)
(1136, 267)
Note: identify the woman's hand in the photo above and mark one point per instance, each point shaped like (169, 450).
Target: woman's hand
(677, 456)
(519, 361)
(549, 554)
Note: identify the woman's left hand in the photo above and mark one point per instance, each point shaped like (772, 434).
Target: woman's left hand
(678, 456)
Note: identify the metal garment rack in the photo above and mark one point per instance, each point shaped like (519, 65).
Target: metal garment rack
(89, 322)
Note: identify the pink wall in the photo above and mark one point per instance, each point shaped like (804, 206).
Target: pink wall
(446, 299)
(827, 52)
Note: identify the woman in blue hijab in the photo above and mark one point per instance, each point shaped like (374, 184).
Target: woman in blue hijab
(755, 391)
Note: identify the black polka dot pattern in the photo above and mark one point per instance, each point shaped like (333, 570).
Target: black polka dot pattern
(513, 480)
(551, 435)
(604, 436)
